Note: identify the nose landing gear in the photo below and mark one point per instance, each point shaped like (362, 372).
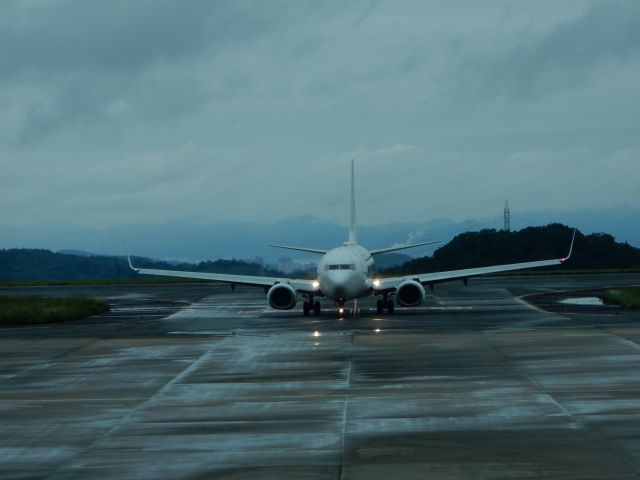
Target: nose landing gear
(344, 312)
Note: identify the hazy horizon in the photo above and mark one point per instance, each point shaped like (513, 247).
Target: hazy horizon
(190, 240)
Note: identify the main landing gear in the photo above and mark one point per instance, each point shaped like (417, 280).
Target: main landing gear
(385, 303)
(307, 306)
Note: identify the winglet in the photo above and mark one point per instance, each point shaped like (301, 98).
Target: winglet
(571, 247)
(126, 252)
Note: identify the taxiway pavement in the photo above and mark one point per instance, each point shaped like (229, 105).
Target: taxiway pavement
(194, 381)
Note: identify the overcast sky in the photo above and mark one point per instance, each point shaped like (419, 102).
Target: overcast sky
(120, 112)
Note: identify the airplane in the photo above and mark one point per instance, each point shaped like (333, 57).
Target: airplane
(346, 273)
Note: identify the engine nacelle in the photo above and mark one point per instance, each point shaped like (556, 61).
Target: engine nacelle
(410, 294)
(282, 296)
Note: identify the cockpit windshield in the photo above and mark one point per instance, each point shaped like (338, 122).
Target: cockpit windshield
(341, 266)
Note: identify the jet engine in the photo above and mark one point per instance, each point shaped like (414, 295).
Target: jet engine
(410, 294)
(282, 296)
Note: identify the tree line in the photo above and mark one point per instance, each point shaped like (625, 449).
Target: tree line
(471, 249)
(493, 247)
(40, 264)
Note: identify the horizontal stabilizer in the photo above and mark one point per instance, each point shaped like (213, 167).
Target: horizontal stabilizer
(393, 249)
(301, 249)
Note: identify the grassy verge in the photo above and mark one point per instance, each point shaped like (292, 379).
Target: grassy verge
(37, 310)
(625, 297)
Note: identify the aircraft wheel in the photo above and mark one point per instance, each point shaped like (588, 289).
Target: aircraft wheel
(379, 306)
(316, 307)
(306, 308)
(390, 307)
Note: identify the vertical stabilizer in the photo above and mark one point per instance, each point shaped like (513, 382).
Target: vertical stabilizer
(353, 239)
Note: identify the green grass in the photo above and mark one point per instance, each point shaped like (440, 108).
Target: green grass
(38, 310)
(626, 297)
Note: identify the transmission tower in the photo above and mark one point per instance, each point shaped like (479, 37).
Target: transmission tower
(507, 217)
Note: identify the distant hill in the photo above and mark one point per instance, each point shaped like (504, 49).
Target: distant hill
(388, 260)
(80, 253)
(494, 247)
(33, 264)
(192, 240)
(467, 250)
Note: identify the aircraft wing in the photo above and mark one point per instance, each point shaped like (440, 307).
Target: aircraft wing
(301, 285)
(389, 284)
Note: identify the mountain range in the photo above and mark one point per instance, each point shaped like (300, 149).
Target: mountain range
(190, 240)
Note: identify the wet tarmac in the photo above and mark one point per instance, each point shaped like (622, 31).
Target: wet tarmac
(194, 381)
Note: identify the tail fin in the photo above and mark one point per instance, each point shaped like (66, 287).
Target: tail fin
(353, 238)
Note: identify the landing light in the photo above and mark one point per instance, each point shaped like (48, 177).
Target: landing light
(376, 283)
(315, 284)
(377, 330)
(316, 333)
(341, 311)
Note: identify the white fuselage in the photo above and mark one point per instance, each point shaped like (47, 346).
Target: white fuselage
(344, 273)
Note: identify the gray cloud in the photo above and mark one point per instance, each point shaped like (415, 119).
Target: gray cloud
(90, 60)
(119, 35)
(116, 112)
(562, 58)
